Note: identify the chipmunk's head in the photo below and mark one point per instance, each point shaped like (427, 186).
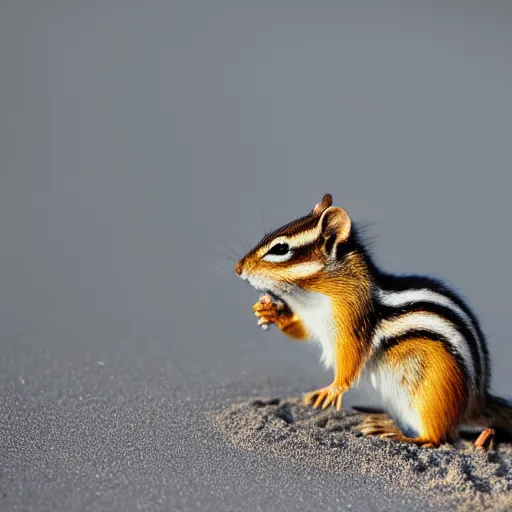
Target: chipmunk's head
(297, 253)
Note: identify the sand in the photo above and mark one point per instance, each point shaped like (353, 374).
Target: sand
(452, 476)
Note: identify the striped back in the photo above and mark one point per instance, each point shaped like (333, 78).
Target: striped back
(422, 307)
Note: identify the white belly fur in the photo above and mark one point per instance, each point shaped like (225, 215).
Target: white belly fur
(315, 310)
(397, 402)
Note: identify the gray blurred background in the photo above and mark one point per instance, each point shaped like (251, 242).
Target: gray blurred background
(137, 140)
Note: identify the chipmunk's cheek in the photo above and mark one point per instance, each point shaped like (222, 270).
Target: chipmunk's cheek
(303, 271)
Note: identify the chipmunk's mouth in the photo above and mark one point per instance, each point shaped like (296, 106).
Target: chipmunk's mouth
(269, 287)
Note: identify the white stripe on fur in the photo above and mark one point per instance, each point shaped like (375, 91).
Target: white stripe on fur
(403, 298)
(430, 322)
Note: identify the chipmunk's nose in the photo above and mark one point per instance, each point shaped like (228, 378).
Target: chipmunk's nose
(239, 268)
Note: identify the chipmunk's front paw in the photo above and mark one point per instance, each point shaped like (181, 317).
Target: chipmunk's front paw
(270, 312)
(331, 395)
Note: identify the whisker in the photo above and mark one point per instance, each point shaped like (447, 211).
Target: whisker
(216, 253)
(214, 273)
(227, 245)
(214, 269)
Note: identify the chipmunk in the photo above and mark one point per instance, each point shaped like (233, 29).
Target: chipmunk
(415, 340)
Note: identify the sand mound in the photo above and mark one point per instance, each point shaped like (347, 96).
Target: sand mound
(454, 476)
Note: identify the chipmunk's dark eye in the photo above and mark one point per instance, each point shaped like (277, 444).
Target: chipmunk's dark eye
(279, 249)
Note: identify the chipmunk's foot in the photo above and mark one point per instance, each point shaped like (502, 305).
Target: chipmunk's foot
(330, 395)
(376, 424)
(271, 312)
(384, 426)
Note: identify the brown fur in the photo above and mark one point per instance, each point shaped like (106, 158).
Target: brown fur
(349, 287)
(350, 291)
(437, 390)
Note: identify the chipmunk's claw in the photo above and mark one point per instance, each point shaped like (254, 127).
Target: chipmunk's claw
(376, 424)
(264, 324)
(329, 396)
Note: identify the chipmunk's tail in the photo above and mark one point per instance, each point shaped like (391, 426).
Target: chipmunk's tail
(498, 414)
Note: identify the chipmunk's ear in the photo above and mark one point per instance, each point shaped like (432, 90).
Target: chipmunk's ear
(335, 228)
(323, 204)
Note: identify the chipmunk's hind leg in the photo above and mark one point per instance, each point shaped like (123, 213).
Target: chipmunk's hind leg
(435, 388)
